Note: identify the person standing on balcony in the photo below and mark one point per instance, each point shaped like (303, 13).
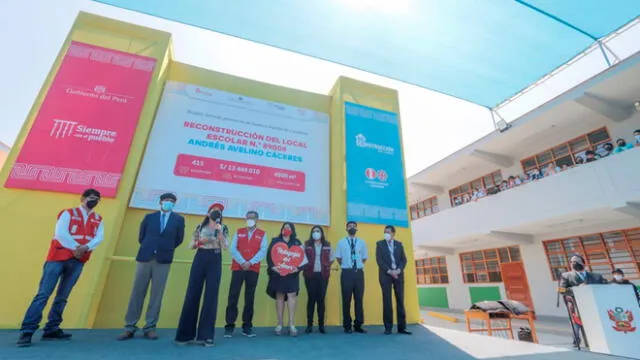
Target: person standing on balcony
(161, 232)
(78, 232)
(622, 146)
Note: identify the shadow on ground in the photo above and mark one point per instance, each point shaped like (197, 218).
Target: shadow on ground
(425, 343)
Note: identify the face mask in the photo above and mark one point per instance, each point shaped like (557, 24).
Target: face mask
(286, 232)
(251, 223)
(617, 277)
(637, 138)
(578, 267)
(167, 205)
(387, 236)
(92, 203)
(622, 143)
(316, 235)
(352, 231)
(215, 215)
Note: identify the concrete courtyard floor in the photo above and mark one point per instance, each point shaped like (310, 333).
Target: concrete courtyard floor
(427, 342)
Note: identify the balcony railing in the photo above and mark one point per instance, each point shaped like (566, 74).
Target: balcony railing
(610, 182)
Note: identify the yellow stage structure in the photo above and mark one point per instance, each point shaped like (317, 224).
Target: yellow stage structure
(100, 297)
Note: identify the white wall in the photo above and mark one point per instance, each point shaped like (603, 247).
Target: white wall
(616, 130)
(457, 291)
(543, 287)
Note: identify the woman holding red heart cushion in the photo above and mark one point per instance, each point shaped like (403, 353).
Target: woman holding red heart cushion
(285, 259)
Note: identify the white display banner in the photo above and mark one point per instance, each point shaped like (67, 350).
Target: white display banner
(211, 146)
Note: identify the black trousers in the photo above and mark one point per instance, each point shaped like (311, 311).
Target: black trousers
(317, 290)
(206, 271)
(250, 280)
(352, 286)
(387, 283)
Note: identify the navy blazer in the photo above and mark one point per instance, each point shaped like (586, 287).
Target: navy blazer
(160, 244)
(383, 257)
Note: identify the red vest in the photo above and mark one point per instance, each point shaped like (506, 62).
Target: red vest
(325, 261)
(81, 232)
(248, 248)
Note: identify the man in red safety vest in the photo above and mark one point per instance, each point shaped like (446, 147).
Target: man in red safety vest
(248, 248)
(78, 231)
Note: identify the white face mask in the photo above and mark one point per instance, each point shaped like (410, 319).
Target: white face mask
(617, 277)
(316, 235)
(251, 223)
(637, 138)
(387, 236)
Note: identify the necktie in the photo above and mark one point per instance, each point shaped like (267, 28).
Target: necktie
(393, 259)
(354, 264)
(162, 217)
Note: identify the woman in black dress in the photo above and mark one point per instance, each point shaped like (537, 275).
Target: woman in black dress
(285, 288)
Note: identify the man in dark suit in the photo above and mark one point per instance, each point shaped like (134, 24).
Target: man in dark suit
(576, 277)
(392, 260)
(161, 233)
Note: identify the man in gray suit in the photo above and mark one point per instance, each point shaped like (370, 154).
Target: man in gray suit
(161, 233)
(576, 277)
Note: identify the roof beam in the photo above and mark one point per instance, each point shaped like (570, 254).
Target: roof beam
(511, 237)
(607, 108)
(438, 249)
(631, 208)
(435, 189)
(497, 159)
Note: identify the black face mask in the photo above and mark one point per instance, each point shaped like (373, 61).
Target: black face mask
(577, 267)
(92, 203)
(352, 231)
(215, 215)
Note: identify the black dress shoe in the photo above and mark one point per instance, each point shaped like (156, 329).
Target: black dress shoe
(360, 330)
(404, 331)
(387, 331)
(321, 329)
(348, 331)
(24, 340)
(309, 329)
(56, 335)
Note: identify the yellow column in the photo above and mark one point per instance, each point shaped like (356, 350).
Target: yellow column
(362, 93)
(29, 216)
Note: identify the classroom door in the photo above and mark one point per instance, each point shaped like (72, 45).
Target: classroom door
(516, 284)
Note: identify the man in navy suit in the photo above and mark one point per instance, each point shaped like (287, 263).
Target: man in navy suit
(161, 233)
(392, 260)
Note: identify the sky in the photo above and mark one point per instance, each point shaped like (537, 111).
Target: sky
(434, 125)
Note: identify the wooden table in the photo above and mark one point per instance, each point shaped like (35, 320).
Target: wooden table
(488, 318)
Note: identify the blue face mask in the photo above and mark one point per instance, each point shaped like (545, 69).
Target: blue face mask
(167, 205)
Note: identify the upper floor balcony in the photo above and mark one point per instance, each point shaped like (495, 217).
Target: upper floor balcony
(602, 191)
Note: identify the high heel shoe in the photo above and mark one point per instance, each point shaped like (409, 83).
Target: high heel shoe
(293, 331)
(278, 330)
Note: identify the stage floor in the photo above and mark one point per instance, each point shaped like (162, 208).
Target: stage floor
(427, 342)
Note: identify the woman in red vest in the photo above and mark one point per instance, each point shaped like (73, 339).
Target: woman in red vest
(316, 275)
(285, 288)
(209, 238)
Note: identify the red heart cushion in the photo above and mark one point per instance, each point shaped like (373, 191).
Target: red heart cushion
(286, 258)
